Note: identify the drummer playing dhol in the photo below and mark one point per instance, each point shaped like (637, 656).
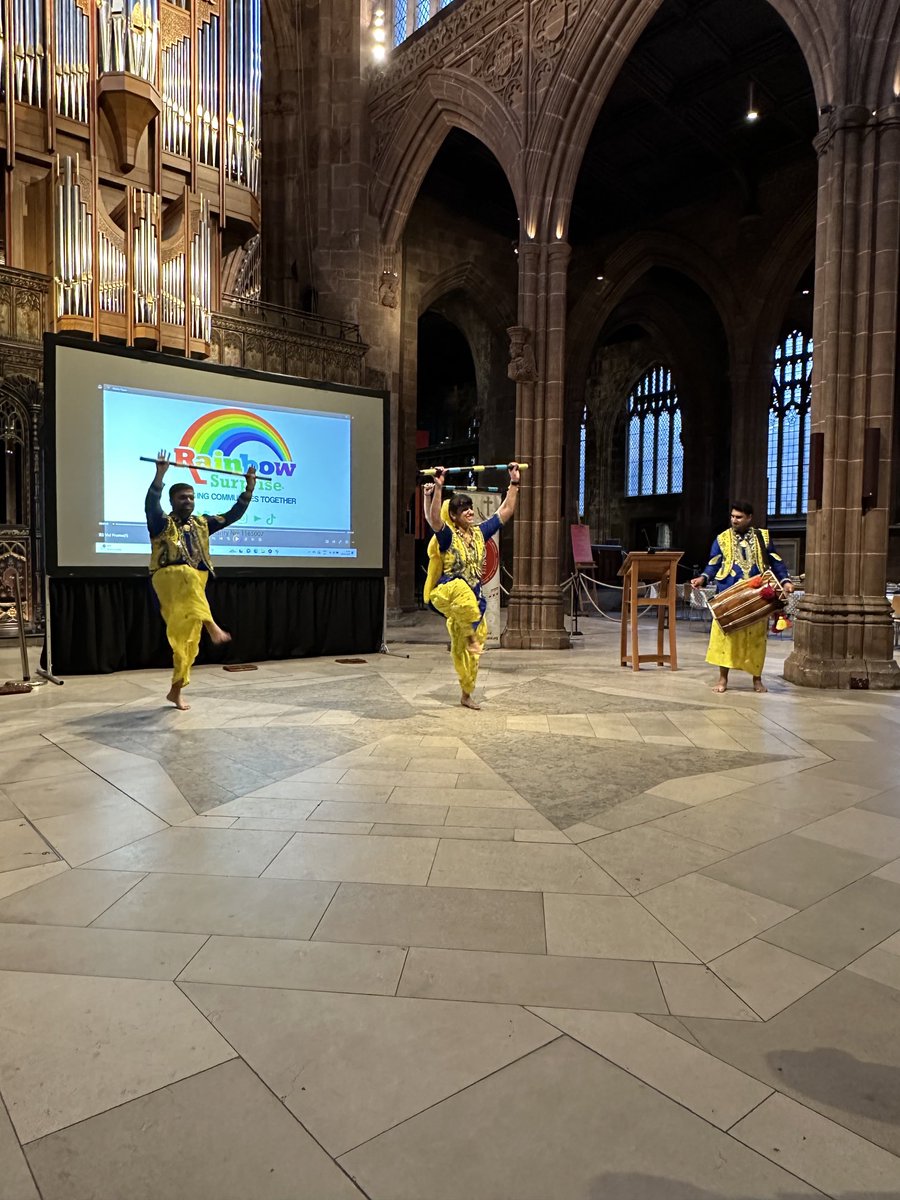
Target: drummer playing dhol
(740, 552)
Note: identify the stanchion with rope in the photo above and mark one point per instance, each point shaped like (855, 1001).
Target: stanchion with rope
(583, 580)
(576, 584)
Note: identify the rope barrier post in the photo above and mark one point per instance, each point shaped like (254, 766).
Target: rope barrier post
(574, 607)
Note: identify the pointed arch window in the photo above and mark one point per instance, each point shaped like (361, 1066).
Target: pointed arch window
(655, 458)
(789, 417)
(582, 460)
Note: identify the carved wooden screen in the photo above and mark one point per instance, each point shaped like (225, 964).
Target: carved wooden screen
(19, 546)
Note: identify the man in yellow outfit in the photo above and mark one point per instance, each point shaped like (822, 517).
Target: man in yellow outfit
(740, 552)
(180, 567)
(456, 566)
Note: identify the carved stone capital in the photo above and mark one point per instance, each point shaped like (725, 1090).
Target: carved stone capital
(847, 116)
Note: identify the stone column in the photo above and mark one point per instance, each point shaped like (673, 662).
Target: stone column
(535, 619)
(843, 634)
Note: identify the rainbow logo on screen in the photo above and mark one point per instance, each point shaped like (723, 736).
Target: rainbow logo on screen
(212, 444)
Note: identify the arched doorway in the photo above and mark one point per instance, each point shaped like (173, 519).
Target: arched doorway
(699, 162)
(458, 293)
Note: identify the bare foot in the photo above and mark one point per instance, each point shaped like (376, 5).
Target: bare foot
(759, 687)
(721, 687)
(474, 646)
(468, 702)
(216, 635)
(174, 696)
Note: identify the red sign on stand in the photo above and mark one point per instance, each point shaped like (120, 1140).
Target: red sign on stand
(581, 545)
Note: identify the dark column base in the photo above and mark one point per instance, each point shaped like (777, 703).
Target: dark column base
(843, 642)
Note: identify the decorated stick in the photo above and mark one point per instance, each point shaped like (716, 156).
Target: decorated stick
(482, 467)
(195, 467)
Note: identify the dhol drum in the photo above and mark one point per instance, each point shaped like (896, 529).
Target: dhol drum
(748, 602)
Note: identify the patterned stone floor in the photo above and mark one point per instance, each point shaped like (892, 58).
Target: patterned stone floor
(329, 935)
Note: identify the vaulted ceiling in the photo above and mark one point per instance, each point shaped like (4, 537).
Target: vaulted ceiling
(673, 129)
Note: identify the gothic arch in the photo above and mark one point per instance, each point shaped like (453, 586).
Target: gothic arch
(787, 259)
(625, 267)
(446, 100)
(466, 277)
(669, 334)
(598, 50)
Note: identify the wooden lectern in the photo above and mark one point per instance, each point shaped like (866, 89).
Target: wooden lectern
(649, 567)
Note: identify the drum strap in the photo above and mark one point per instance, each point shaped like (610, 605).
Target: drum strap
(764, 549)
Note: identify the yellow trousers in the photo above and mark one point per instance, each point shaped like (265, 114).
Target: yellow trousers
(185, 609)
(744, 650)
(456, 601)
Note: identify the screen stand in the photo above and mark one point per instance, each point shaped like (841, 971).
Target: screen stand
(46, 673)
(383, 648)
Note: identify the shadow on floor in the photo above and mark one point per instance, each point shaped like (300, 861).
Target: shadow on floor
(840, 1080)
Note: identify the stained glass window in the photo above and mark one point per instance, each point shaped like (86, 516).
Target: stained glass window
(655, 455)
(582, 459)
(789, 417)
(410, 15)
(400, 20)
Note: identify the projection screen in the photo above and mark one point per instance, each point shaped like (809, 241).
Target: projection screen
(320, 453)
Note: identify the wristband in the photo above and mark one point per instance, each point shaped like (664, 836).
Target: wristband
(514, 483)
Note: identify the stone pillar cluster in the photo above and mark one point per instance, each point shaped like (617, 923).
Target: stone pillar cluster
(843, 635)
(535, 618)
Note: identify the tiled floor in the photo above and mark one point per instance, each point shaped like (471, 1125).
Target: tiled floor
(330, 935)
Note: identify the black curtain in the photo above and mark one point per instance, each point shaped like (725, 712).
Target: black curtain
(104, 625)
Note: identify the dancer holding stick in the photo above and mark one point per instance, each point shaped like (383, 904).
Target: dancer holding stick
(456, 557)
(180, 568)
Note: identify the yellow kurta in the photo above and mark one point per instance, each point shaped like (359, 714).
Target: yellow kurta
(185, 609)
(744, 650)
(455, 599)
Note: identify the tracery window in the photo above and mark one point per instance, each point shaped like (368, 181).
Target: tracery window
(789, 417)
(655, 459)
(410, 15)
(582, 460)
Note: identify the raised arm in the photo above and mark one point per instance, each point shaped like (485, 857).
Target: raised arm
(156, 518)
(433, 499)
(237, 510)
(508, 507)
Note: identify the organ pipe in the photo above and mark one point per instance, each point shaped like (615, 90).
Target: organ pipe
(74, 243)
(72, 69)
(145, 256)
(118, 268)
(128, 39)
(176, 94)
(208, 91)
(242, 91)
(29, 39)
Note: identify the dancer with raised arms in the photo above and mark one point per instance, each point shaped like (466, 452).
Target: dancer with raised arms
(180, 568)
(456, 557)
